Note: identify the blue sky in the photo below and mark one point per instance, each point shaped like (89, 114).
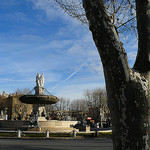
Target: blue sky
(35, 37)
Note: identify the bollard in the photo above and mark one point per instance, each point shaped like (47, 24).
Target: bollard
(74, 133)
(19, 133)
(96, 133)
(47, 133)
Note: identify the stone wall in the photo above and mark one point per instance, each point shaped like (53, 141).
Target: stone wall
(56, 126)
(51, 125)
(14, 124)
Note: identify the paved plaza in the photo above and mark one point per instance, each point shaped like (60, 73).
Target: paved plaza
(55, 144)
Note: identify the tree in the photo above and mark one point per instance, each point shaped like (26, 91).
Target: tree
(79, 105)
(22, 91)
(97, 104)
(128, 89)
(61, 104)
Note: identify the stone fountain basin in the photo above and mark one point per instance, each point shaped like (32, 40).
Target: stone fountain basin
(38, 99)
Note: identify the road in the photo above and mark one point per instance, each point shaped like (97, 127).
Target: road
(55, 144)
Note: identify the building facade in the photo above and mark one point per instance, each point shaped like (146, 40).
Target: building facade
(11, 108)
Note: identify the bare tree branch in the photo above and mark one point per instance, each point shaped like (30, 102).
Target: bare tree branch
(122, 13)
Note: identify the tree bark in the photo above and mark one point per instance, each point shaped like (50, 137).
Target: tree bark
(142, 63)
(127, 90)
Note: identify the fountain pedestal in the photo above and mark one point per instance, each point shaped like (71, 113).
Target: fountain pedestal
(39, 90)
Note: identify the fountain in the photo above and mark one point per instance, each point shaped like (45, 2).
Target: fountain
(39, 99)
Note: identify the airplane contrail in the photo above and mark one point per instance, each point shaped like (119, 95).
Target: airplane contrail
(69, 76)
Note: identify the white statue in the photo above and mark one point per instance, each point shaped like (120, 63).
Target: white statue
(40, 80)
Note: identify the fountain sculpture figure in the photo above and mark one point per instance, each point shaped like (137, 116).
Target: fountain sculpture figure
(39, 88)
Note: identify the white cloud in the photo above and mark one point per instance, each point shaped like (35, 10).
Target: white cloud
(85, 51)
(29, 38)
(56, 45)
(46, 6)
(53, 13)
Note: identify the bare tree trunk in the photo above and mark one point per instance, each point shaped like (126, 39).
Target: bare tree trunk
(127, 90)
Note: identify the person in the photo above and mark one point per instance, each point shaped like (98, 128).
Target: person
(38, 79)
(42, 80)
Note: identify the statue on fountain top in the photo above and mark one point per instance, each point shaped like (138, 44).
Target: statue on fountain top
(39, 88)
(40, 80)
